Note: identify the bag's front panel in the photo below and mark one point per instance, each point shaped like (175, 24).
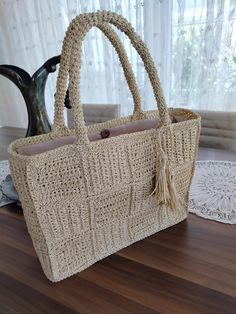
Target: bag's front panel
(66, 216)
(159, 218)
(141, 200)
(106, 168)
(110, 206)
(143, 223)
(111, 238)
(60, 176)
(58, 184)
(142, 157)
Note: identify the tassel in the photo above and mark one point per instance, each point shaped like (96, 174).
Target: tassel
(161, 188)
(164, 188)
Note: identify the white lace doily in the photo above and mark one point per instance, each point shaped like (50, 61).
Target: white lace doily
(4, 169)
(213, 191)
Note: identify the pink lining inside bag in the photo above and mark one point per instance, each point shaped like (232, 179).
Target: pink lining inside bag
(131, 127)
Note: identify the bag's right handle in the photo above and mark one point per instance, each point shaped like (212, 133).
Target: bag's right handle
(128, 72)
(73, 40)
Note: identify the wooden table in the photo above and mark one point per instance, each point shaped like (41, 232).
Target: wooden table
(189, 268)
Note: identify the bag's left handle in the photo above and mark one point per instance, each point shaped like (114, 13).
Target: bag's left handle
(59, 122)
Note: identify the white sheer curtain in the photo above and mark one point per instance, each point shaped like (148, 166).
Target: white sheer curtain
(204, 54)
(192, 42)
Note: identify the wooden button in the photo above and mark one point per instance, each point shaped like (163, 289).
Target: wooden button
(105, 133)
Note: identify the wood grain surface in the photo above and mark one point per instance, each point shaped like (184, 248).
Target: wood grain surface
(188, 268)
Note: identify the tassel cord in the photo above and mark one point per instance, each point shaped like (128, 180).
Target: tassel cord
(165, 190)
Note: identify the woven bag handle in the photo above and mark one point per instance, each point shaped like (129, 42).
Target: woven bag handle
(71, 61)
(128, 72)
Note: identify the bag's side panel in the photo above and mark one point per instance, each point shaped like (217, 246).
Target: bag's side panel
(19, 172)
(57, 188)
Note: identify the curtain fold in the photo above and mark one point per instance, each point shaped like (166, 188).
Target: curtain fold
(204, 54)
(193, 44)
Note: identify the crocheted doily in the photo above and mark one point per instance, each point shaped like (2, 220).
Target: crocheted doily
(213, 191)
(4, 171)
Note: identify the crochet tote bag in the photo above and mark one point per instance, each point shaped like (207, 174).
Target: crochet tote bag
(87, 200)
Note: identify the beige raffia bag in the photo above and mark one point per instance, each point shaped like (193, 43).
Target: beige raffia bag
(85, 201)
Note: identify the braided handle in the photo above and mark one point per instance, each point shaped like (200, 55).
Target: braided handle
(128, 72)
(71, 61)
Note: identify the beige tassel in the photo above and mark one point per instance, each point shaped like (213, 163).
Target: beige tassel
(161, 188)
(164, 189)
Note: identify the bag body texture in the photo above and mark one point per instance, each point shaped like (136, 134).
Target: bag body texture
(87, 200)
